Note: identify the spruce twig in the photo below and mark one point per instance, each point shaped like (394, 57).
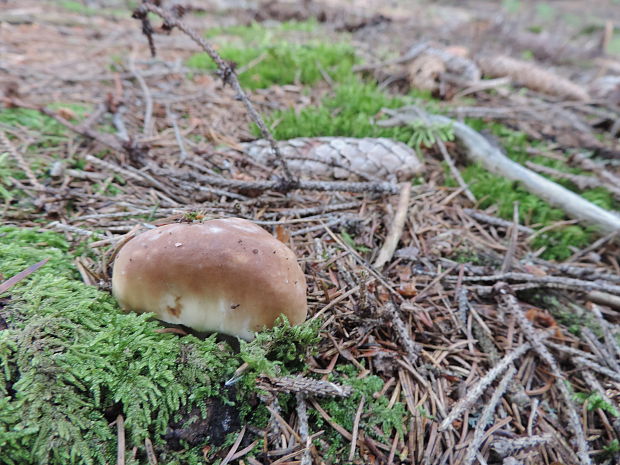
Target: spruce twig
(510, 302)
(507, 447)
(475, 391)
(486, 416)
(228, 76)
(307, 386)
(302, 415)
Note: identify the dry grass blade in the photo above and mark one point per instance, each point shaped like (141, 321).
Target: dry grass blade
(9, 283)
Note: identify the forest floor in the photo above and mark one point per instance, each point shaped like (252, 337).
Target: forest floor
(455, 317)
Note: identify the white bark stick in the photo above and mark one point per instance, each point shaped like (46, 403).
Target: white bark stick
(480, 150)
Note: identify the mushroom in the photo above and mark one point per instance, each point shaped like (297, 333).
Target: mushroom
(226, 275)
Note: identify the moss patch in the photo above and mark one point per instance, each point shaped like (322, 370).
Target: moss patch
(379, 420)
(286, 63)
(71, 361)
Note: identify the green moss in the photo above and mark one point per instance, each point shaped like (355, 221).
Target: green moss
(79, 8)
(284, 63)
(35, 120)
(612, 449)
(492, 190)
(566, 312)
(376, 412)
(593, 401)
(348, 112)
(258, 33)
(71, 357)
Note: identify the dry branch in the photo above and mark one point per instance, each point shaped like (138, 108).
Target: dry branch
(226, 70)
(478, 149)
(531, 76)
(339, 157)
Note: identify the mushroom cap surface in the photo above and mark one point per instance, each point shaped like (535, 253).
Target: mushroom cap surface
(227, 275)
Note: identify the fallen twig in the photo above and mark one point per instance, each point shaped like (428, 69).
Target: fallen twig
(12, 281)
(306, 386)
(506, 447)
(475, 391)
(546, 281)
(413, 350)
(486, 416)
(492, 158)
(302, 416)
(396, 228)
(226, 70)
(496, 221)
(510, 302)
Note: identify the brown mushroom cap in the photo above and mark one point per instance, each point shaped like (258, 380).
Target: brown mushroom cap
(227, 275)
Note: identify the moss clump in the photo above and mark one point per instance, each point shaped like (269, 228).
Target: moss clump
(285, 63)
(350, 112)
(71, 361)
(37, 121)
(376, 413)
(287, 53)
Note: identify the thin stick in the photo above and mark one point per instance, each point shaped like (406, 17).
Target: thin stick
(177, 134)
(147, 130)
(343, 186)
(356, 427)
(12, 281)
(120, 435)
(454, 170)
(495, 221)
(546, 281)
(396, 229)
(512, 245)
(228, 75)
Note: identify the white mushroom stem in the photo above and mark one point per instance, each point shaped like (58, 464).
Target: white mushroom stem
(480, 150)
